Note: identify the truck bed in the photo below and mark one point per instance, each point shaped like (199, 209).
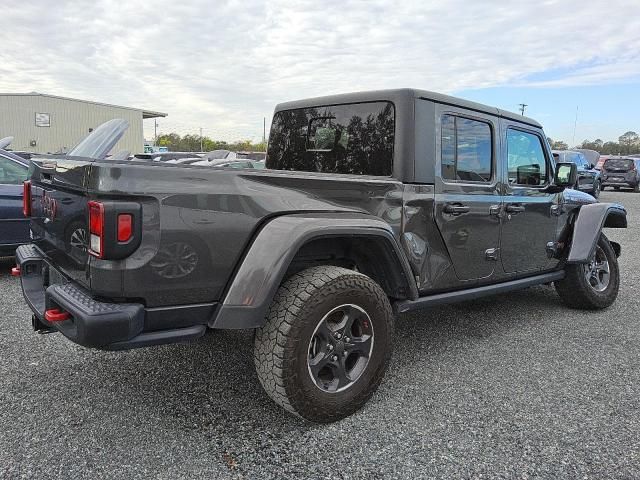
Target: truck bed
(196, 221)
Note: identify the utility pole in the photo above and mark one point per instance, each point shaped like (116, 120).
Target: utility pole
(575, 124)
(155, 132)
(264, 129)
(201, 139)
(522, 107)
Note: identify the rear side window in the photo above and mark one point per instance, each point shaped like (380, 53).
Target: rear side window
(526, 161)
(353, 139)
(466, 154)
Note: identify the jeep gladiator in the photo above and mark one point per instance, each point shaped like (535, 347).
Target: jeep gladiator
(372, 204)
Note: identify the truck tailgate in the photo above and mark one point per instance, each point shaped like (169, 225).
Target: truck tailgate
(59, 213)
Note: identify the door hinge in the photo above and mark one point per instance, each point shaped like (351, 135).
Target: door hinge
(492, 254)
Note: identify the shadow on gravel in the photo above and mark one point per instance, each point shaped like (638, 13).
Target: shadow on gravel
(211, 384)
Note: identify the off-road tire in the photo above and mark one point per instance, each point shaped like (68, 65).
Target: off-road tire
(576, 292)
(281, 346)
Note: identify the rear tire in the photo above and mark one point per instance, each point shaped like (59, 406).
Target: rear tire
(303, 357)
(596, 190)
(595, 285)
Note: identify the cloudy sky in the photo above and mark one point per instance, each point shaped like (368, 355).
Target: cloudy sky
(223, 66)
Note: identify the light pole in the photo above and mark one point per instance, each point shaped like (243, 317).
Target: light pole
(201, 139)
(155, 132)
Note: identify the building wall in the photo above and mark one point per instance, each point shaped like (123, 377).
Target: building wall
(70, 122)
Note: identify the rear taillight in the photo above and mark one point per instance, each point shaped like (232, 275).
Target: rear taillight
(26, 198)
(96, 229)
(125, 227)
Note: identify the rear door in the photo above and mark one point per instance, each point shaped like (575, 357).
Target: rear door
(530, 212)
(14, 227)
(467, 190)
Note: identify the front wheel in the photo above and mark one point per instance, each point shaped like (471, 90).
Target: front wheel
(593, 285)
(596, 190)
(326, 343)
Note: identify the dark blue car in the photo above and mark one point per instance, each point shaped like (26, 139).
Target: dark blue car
(14, 227)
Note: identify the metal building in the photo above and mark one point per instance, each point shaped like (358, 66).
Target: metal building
(51, 124)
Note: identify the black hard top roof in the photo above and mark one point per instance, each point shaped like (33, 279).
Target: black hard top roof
(400, 95)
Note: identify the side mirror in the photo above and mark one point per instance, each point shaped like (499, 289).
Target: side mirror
(566, 174)
(592, 166)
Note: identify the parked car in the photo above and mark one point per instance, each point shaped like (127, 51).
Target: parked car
(601, 160)
(373, 204)
(588, 177)
(618, 172)
(167, 156)
(14, 227)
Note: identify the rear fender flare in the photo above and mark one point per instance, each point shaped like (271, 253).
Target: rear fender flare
(265, 264)
(588, 226)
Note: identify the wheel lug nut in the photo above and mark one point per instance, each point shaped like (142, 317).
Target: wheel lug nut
(329, 347)
(347, 339)
(338, 335)
(334, 358)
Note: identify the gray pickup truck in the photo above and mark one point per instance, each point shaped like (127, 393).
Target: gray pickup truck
(372, 204)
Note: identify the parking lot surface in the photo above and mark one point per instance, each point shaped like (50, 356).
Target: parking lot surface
(514, 386)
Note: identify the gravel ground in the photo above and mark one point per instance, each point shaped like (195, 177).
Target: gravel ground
(515, 386)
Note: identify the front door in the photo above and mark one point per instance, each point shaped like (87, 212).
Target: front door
(14, 227)
(529, 212)
(467, 196)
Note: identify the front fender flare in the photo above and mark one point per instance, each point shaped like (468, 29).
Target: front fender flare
(263, 268)
(588, 225)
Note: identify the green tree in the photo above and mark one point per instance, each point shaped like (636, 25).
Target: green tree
(629, 141)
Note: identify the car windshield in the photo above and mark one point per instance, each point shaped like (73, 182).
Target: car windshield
(100, 142)
(618, 164)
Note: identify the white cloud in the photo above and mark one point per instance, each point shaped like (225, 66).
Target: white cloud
(224, 65)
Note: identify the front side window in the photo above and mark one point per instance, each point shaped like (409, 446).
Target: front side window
(353, 139)
(466, 154)
(12, 173)
(526, 160)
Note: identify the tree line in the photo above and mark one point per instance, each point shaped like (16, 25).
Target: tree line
(628, 144)
(194, 143)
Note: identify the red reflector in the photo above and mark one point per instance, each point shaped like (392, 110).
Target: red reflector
(56, 315)
(26, 198)
(125, 227)
(15, 272)
(96, 229)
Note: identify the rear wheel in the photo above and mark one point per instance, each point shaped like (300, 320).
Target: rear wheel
(596, 190)
(326, 343)
(593, 285)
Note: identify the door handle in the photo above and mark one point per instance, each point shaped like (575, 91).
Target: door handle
(514, 208)
(455, 209)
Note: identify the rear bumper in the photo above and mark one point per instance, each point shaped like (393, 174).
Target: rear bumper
(99, 324)
(619, 183)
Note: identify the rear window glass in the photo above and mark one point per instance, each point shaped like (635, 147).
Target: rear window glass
(466, 150)
(353, 139)
(618, 164)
